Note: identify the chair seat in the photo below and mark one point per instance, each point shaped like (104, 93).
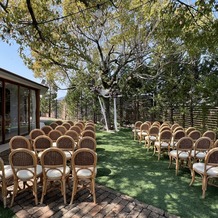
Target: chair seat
(199, 155)
(68, 154)
(56, 173)
(162, 144)
(85, 172)
(152, 138)
(173, 144)
(199, 167)
(8, 172)
(183, 155)
(142, 133)
(28, 174)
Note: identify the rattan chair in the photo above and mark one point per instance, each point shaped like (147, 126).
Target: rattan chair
(195, 134)
(210, 134)
(70, 122)
(77, 129)
(35, 133)
(182, 153)
(55, 169)
(80, 125)
(178, 128)
(19, 142)
(24, 165)
(152, 136)
(66, 125)
(143, 131)
(62, 129)
(163, 128)
(200, 149)
(84, 171)
(90, 127)
(189, 129)
(53, 125)
(215, 145)
(88, 133)
(175, 125)
(74, 135)
(87, 142)
(207, 170)
(6, 179)
(176, 136)
(41, 143)
(46, 129)
(162, 145)
(59, 122)
(136, 129)
(67, 145)
(54, 135)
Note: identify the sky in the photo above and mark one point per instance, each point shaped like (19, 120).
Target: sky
(11, 61)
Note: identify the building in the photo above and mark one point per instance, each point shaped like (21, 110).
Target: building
(19, 105)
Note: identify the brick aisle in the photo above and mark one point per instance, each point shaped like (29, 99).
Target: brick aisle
(109, 204)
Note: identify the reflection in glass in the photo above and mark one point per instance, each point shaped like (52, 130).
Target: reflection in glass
(1, 103)
(11, 110)
(32, 109)
(24, 96)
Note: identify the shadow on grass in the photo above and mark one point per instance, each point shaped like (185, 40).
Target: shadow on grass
(103, 172)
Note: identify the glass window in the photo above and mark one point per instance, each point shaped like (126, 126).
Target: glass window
(32, 109)
(24, 112)
(11, 110)
(1, 104)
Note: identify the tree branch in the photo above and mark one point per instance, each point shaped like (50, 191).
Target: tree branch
(34, 21)
(4, 7)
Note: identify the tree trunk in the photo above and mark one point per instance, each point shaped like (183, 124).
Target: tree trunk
(107, 112)
(103, 110)
(115, 114)
(121, 111)
(171, 114)
(191, 114)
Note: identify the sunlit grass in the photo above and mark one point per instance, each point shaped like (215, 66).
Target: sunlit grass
(126, 166)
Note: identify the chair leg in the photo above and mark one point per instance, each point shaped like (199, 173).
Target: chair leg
(159, 151)
(14, 192)
(75, 183)
(193, 177)
(35, 190)
(177, 166)
(64, 190)
(44, 188)
(4, 193)
(204, 186)
(170, 161)
(93, 190)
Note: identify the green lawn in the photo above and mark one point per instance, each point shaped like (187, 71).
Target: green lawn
(126, 166)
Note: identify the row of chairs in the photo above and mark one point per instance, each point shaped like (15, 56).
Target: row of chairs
(186, 147)
(200, 157)
(52, 168)
(151, 132)
(35, 149)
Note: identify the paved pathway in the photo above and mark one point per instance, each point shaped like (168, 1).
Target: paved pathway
(109, 204)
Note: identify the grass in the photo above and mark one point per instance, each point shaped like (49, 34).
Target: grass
(126, 166)
(6, 212)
